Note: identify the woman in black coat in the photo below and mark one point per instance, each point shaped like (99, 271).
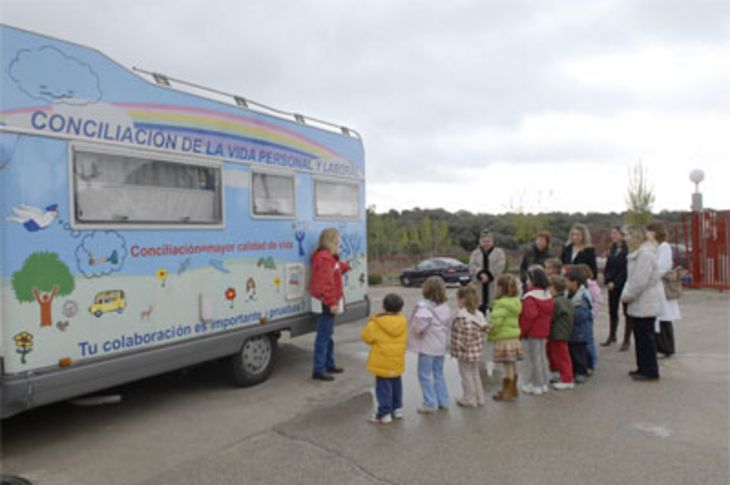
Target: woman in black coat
(537, 253)
(614, 277)
(580, 250)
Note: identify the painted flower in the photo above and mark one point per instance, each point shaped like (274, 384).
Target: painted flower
(24, 344)
(161, 274)
(277, 283)
(23, 340)
(230, 295)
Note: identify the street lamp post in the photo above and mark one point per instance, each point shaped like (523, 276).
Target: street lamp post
(696, 176)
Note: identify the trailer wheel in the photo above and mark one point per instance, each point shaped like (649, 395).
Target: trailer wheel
(255, 361)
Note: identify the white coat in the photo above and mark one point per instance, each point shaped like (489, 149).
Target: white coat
(670, 308)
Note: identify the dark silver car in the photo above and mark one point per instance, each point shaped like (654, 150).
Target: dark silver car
(449, 269)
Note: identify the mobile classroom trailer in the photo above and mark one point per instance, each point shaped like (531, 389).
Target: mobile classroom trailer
(146, 228)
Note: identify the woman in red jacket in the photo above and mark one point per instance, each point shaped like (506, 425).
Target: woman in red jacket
(328, 300)
(537, 311)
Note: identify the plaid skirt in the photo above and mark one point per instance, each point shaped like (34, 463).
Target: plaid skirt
(507, 350)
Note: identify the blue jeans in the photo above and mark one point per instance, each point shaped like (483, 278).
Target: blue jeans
(431, 377)
(389, 393)
(591, 348)
(324, 346)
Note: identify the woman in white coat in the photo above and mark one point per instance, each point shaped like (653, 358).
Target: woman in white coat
(657, 233)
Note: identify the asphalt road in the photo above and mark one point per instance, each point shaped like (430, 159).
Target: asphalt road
(193, 428)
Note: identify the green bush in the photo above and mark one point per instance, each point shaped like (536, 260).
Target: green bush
(374, 279)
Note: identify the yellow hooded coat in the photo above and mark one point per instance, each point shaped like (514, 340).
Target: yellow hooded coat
(387, 335)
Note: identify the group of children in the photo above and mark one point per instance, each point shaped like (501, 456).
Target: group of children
(549, 325)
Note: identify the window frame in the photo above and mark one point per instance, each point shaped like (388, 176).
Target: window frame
(336, 181)
(276, 173)
(148, 154)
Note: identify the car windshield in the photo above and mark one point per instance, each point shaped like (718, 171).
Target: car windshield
(450, 262)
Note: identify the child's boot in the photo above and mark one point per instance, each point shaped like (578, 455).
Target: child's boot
(502, 395)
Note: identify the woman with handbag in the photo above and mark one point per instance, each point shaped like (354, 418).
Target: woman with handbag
(643, 302)
(670, 287)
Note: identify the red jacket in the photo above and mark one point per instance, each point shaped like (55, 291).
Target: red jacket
(326, 284)
(537, 311)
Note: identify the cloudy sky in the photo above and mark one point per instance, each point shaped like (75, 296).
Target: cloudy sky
(487, 106)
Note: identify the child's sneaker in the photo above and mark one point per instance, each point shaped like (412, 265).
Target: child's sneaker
(426, 410)
(562, 386)
(580, 379)
(398, 413)
(443, 407)
(545, 388)
(380, 420)
(529, 389)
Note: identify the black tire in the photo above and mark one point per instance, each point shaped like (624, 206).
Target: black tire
(254, 363)
(406, 281)
(464, 283)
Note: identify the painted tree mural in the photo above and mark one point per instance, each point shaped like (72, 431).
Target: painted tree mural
(42, 277)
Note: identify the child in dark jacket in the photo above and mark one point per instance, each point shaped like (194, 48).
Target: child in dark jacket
(561, 329)
(537, 310)
(582, 323)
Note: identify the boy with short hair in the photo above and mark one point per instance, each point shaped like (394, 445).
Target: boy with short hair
(387, 334)
(553, 267)
(561, 329)
(582, 322)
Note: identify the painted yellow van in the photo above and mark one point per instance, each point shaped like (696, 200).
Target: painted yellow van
(108, 301)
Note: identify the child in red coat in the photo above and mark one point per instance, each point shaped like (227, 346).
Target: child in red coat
(537, 310)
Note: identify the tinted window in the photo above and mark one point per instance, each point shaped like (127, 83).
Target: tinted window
(122, 189)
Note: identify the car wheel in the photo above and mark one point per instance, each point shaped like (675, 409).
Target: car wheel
(120, 310)
(254, 363)
(98, 313)
(406, 281)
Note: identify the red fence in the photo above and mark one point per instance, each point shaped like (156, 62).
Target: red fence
(707, 237)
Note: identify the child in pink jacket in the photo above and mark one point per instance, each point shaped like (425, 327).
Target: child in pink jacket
(428, 337)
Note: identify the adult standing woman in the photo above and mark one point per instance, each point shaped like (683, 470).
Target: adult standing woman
(641, 295)
(670, 307)
(614, 276)
(537, 253)
(486, 265)
(579, 249)
(327, 301)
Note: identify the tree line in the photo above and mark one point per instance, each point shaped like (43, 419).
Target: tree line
(430, 231)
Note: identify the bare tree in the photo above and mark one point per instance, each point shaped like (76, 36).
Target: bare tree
(639, 196)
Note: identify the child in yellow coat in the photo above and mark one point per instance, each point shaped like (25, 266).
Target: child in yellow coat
(387, 333)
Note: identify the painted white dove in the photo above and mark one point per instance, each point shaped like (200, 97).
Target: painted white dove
(33, 218)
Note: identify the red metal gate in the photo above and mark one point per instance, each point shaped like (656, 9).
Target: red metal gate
(707, 237)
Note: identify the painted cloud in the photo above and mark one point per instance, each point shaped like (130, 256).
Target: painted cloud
(101, 253)
(47, 73)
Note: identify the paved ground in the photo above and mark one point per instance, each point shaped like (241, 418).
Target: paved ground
(193, 428)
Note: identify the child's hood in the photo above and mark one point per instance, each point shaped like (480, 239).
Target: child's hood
(580, 296)
(475, 317)
(393, 324)
(441, 312)
(511, 304)
(542, 298)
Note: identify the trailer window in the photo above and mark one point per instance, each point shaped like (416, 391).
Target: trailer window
(333, 199)
(273, 195)
(121, 189)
